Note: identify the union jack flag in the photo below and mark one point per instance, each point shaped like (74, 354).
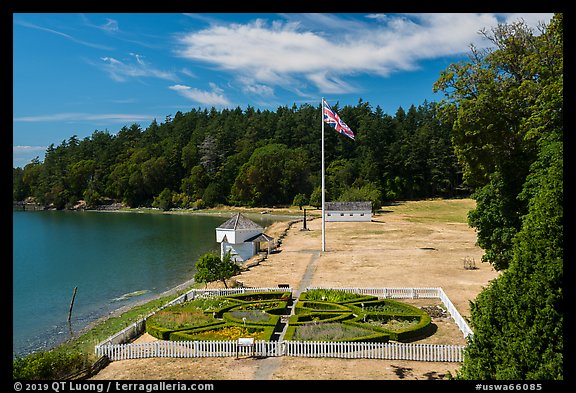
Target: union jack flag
(332, 119)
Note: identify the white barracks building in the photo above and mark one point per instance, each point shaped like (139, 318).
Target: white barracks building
(348, 211)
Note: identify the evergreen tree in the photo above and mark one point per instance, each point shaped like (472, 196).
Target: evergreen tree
(507, 111)
(211, 155)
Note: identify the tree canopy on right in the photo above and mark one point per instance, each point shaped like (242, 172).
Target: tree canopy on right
(506, 107)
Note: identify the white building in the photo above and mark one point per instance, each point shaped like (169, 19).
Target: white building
(242, 237)
(348, 211)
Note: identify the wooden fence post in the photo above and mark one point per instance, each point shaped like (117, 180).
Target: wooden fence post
(72, 304)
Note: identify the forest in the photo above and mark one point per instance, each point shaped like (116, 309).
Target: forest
(250, 157)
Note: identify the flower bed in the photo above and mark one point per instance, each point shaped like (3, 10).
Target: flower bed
(226, 332)
(334, 296)
(331, 332)
(334, 315)
(220, 318)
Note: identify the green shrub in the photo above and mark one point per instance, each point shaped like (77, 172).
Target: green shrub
(48, 365)
(386, 306)
(339, 332)
(334, 296)
(213, 304)
(332, 306)
(186, 320)
(253, 317)
(262, 305)
(320, 317)
(163, 333)
(225, 331)
(315, 306)
(408, 327)
(261, 296)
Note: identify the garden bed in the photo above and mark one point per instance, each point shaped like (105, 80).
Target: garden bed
(333, 315)
(252, 315)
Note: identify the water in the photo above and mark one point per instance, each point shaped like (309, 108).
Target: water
(114, 259)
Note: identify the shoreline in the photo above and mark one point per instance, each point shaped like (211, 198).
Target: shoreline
(83, 323)
(286, 211)
(281, 232)
(127, 307)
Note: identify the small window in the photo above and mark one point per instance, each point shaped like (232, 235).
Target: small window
(361, 214)
(341, 214)
(329, 214)
(351, 214)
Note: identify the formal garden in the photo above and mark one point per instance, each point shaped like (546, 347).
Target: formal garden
(251, 315)
(319, 315)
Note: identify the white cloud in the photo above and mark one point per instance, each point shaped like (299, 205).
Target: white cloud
(23, 155)
(111, 26)
(61, 34)
(27, 149)
(214, 97)
(288, 53)
(251, 86)
(121, 71)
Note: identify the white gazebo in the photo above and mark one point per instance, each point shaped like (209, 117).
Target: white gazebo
(242, 237)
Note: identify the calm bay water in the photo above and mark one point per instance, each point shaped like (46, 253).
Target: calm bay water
(109, 256)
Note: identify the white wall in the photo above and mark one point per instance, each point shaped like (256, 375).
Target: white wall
(240, 252)
(229, 233)
(348, 216)
(236, 236)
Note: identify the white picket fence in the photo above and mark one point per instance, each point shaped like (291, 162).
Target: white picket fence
(138, 327)
(372, 350)
(329, 349)
(117, 348)
(188, 349)
(413, 293)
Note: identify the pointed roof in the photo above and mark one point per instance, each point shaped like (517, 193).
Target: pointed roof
(260, 238)
(238, 221)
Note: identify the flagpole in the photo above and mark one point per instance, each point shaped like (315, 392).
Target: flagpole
(323, 198)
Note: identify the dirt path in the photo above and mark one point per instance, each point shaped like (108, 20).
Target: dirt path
(393, 250)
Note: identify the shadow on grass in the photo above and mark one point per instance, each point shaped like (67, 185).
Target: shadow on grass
(431, 375)
(402, 372)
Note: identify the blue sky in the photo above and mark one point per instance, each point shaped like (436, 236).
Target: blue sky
(77, 73)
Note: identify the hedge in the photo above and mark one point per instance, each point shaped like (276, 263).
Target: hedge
(335, 296)
(260, 296)
(376, 336)
(272, 321)
(319, 306)
(320, 317)
(264, 332)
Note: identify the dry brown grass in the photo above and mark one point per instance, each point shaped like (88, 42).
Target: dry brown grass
(412, 244)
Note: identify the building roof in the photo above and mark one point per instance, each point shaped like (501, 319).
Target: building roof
(238, 221)
(349, 206)
(260, 238)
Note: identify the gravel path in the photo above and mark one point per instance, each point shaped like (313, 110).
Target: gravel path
(267, 366)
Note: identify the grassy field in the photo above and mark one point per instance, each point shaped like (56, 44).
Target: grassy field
(409, 244)
(431, 210)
